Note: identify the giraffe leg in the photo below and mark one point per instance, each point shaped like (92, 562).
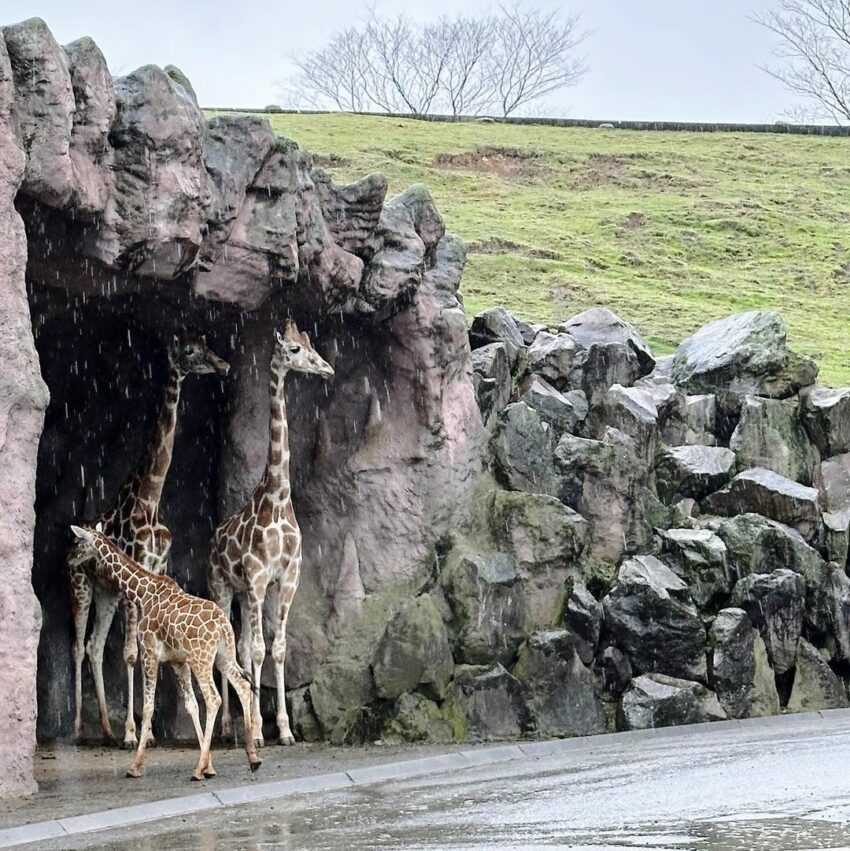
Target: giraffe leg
(184, 681)
(150, 668)
(131, 650)
(105, 604)
(236, 676)
(222, 594)
(258, 655)
(81, 597)
(287, 593)
(206, 683)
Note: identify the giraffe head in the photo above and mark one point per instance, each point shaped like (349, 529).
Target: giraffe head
(85, 545)
(293, 351)
(191, 353)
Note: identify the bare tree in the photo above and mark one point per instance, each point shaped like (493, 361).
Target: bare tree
(814, 49)
(336, 73)
(534, 55)
(497, 62)
(467, 82)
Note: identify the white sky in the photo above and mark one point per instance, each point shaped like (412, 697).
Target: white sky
(684, 60)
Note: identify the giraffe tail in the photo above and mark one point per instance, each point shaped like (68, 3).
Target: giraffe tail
(230, 640)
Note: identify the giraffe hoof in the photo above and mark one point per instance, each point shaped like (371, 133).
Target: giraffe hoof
(198, 775)
(209, 773)
(128, 744)
(255, 764)
(134, 772)
(286, 740)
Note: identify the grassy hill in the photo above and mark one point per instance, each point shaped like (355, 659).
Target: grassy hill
(668, 229)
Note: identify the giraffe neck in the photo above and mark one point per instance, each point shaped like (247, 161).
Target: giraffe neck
(155, 468)
(117, 569)
(276, 479)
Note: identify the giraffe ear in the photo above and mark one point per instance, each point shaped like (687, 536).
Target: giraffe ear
(82, 534)
(99, 527)
(278, 337)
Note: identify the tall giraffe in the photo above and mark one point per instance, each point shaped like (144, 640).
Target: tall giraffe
(189, 633)
(260, 546)
(133, 521)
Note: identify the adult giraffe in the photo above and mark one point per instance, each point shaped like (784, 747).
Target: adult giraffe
(133, 522)
(260, 546)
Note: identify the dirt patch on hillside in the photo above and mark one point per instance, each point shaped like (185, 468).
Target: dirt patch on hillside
(497, 245)
(330, 161)
(505, 162)
(609, 170)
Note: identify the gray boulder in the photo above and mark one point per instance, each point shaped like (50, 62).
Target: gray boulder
(615, 672)
(632, 411)
(545, 539)
(485, 703)
(816, 685)
(491, 375)
(698, 557)
(740, 670)
(836, 535)
(537, 530)
(414, 652)
(767, 493)
(415, 718)
(656, 700)
(302, 718)
(522, 451)
(602, 480)
(551, 357)
(583, 619)
(769, 434)
(826, 413)
(649, 615)
(497, 325)
(489, 618)
(701, 419)
(561, 411)
(529, 330)
(775, 603)
(756, 544)
(599, 326)
(559, 689)
(341, 695)
(833, 482)
(601, 366)
(745, 353)
(693, 471)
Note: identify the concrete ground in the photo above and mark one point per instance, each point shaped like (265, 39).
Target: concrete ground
(779, 783)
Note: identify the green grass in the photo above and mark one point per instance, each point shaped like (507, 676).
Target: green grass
(669, 230)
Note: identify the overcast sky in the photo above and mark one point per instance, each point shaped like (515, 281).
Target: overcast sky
(684, 60)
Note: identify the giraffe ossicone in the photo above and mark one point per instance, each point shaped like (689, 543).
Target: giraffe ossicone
(191, 634)
(258, 549)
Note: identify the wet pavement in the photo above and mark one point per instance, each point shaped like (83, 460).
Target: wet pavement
(780, 784)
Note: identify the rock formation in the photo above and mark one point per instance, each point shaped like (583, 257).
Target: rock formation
(509, 530)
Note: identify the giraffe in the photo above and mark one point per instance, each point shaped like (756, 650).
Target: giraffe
(133, 521)
(191, 634)
(259, 547)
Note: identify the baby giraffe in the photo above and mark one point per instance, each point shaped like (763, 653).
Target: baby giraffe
(191, 634)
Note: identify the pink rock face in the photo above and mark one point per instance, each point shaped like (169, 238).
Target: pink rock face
(23, 398)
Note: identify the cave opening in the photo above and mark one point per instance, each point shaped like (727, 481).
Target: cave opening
(101, 338)
(104, 361)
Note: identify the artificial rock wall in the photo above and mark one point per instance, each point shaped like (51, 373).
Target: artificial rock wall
(143, 219)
